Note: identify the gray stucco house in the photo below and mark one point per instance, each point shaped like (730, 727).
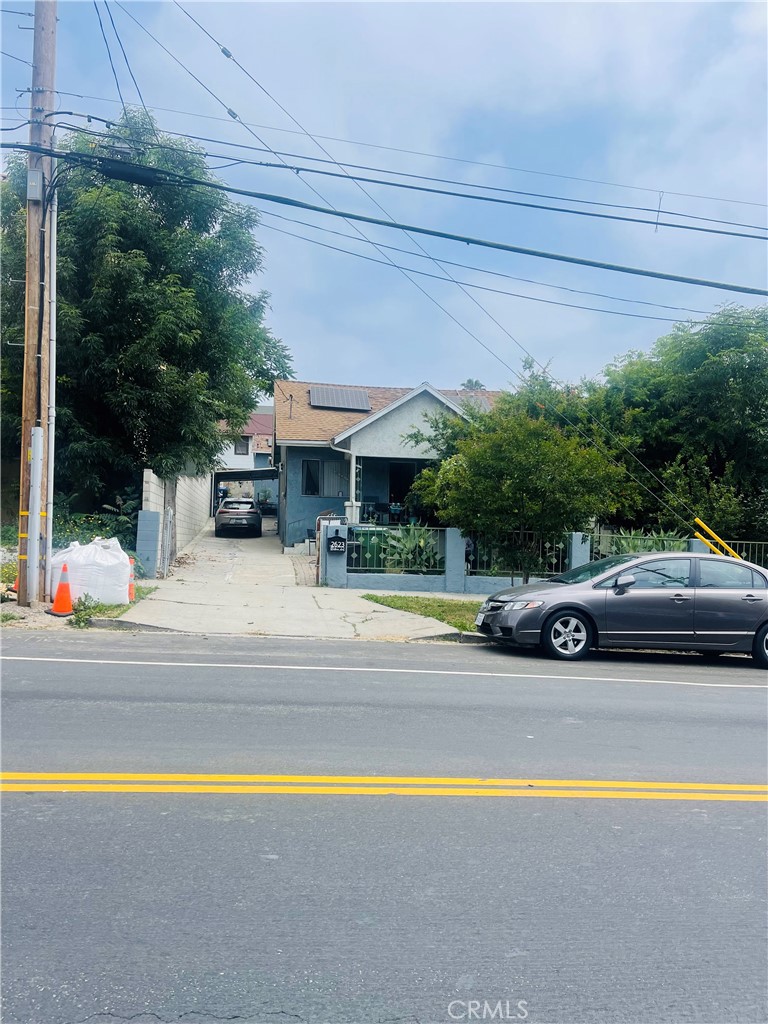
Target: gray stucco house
(340, 449)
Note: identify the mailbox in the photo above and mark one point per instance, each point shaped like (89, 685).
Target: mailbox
(335, 544)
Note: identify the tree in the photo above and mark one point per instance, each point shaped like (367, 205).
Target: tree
(519, 480)
(160, 339)
(471, 384)
(699, 399)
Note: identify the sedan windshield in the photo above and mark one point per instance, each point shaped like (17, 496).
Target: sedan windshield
(591, 570)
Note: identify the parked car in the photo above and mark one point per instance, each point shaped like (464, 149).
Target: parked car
(237, 514)
(676, 601)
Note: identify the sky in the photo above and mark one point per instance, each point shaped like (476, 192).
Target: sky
(654, 103)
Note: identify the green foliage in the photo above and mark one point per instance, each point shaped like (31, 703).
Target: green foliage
(83, 610)
(411, 549)
(9, 617)
(159, 339)
(516, 480)
(9, 536)
(472, 384)
(8, 571)
(625, 542)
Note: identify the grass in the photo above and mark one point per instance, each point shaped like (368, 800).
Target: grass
(459, 614)
(9, 617)
(90, 609)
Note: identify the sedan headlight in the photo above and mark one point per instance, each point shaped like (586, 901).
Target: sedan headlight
(517, 606)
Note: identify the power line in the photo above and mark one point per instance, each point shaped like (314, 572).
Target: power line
(493, 273)
(127, 62)
(21, 14)
(479, 287)
(396, 225)
(433, 156)
(483, 243)
(424, 177)
(21, 60)
(297, 169)
(109, 54)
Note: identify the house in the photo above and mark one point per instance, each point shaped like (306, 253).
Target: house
(340, 449)
(245, 467)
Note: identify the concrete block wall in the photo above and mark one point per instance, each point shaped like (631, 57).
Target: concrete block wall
(153, 492)
(193, 507)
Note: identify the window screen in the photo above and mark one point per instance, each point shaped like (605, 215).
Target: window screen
(243, 446)
(335, 479)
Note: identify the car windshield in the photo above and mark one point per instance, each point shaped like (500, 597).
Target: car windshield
(238, 504)
(591, 570)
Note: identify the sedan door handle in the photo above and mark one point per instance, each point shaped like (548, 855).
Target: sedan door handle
(751, 598)
(679, 597)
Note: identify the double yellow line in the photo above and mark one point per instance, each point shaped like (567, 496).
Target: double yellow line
(377, 785)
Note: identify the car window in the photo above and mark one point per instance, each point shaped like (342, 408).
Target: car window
(662, 573)
(591, 570)
(758, 581)
(237, 504)
(725, 572)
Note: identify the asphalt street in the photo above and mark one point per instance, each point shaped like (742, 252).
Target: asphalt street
(364, 832)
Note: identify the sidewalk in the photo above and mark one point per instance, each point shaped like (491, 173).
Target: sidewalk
(248, 586)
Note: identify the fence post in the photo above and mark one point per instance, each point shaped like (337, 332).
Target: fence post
(579, 549)
(455, 568)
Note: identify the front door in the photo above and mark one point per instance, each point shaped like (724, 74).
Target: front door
(657, 610)
(401, 477)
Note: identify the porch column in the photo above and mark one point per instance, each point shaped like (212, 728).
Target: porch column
(352, 507)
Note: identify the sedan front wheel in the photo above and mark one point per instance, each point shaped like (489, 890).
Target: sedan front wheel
(568, 636)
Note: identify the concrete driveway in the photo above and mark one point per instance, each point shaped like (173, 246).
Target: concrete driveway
(246, 585)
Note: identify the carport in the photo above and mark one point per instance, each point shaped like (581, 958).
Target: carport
(230, 475)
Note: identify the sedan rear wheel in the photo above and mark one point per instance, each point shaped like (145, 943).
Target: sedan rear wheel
(568, 636)
(760, 647)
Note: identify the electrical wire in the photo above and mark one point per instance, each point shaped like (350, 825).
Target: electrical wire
(479, 287)
(127, 62)
(453, 194)
(493, 273)
(13, 56)
(430, 232)
(436, 156)
(109, 54)
(423, 177)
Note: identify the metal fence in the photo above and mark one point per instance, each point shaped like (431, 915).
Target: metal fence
(517, 554)
(624, 542)
(752, 550)
(396, 549)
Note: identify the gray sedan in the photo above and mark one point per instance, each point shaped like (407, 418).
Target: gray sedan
(679, 601)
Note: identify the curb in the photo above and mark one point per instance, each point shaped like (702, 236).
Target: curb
(133, 627)
(473, 638)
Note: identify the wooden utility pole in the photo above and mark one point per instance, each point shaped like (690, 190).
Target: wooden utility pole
(34, 411)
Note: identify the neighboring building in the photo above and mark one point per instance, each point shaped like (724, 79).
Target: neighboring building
(340, 449)
(253, 451)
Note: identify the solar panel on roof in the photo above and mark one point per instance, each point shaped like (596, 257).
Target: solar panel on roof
(351, 399)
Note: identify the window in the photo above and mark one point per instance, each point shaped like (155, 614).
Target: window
(310, 476)
(325, 479)
(667, 573)
(243, 446)
(721, 573)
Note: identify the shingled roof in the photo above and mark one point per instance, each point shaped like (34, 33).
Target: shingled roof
(297, 420)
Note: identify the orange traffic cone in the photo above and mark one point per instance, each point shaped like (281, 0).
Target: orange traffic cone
(15, 587)
(62, 603)
(131, 583)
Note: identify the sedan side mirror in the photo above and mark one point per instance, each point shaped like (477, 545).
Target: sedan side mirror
(625, 581)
